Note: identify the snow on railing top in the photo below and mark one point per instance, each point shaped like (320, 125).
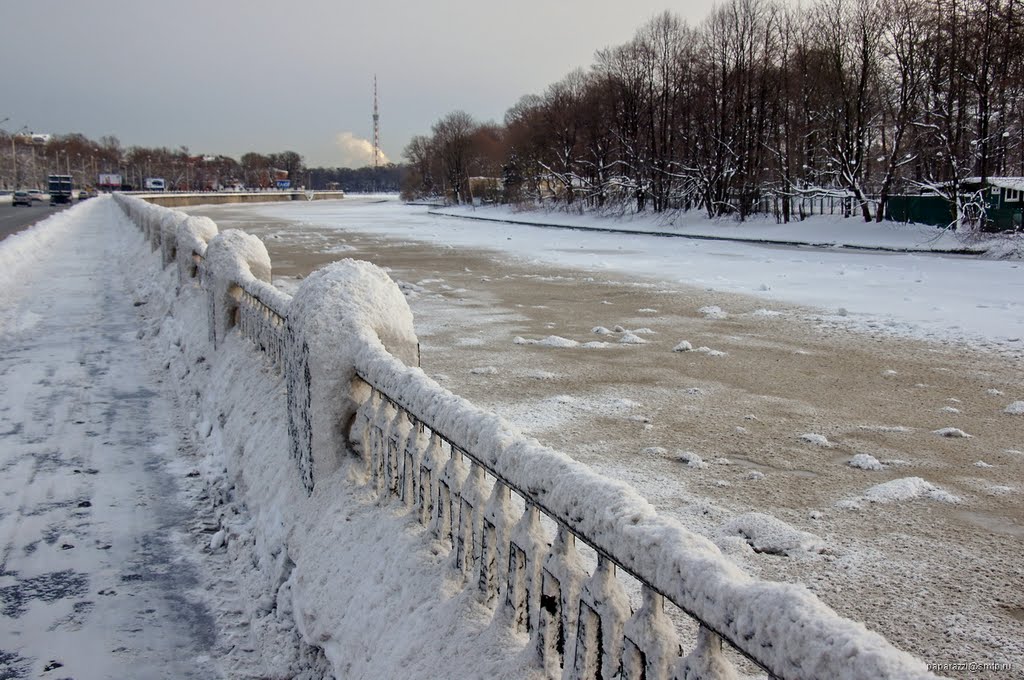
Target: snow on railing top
(784, 628)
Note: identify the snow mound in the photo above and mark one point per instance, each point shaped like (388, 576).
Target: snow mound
(630, 338)
(884, 428)
(601, 330)
(901, 490)
(710, 352)
(994, 392)
(1015, 409)
(770, 535)
(647, 310)
(950, 409)
(765, 313)
(483, 370)
(713, 312)
(952, 433)
(691, 459)
(683, 346)
(542, 375)
(983, 464)
(1010, 248)
(816, 439)
(642, 331)
(550, 341)
(654, 451)
(594, 344)
(865, 461)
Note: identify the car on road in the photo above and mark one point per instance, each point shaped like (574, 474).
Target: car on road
(82, 195)
(35, 194)
(21, 198)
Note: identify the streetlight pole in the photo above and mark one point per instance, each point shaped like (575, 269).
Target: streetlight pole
(14, 154)
(7, 118)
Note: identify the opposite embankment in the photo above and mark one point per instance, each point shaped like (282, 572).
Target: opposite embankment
(175, 200)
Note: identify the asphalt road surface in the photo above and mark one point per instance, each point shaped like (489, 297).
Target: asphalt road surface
(17, 218)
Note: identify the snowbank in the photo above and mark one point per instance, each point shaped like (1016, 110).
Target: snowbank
(348, 575)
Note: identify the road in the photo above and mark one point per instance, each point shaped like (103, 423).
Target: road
(15, 219)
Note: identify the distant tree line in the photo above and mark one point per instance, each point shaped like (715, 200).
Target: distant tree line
(386, 178)
(762, 104)
(86, 159)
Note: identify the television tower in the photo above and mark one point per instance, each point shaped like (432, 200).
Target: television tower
(376, 127)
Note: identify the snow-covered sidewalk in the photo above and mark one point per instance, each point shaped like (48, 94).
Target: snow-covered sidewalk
(93, 579)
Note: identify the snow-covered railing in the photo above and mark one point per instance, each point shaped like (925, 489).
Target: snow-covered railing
(484, 489)
(555, 549)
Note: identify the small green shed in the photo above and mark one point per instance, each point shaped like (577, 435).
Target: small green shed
(1004, 204)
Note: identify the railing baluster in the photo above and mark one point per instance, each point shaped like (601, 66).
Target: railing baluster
(415, 445)
(526, 548)
(394, 445)
(706, 661)
(430, 464)
(603, 612)
(467, 541)
(561, 577)
(449, 495)
(651, 644)
(494, 539)
(378, 443)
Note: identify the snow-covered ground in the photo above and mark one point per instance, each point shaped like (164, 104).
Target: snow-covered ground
(948, 298)
(96, 577)
(94, 345)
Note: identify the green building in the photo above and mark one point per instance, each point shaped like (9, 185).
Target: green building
(1003, 196)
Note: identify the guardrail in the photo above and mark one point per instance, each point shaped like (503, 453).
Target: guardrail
(558, 551)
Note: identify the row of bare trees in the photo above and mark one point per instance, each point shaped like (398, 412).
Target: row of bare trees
(761, 104)
(26, 162)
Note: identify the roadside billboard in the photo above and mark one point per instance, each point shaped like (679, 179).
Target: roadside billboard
(109, 181)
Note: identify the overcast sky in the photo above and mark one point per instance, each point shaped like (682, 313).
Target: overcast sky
(227, 76)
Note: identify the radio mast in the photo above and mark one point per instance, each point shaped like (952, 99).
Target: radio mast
(376, 127)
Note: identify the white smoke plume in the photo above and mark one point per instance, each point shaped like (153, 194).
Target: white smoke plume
(356, 152)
